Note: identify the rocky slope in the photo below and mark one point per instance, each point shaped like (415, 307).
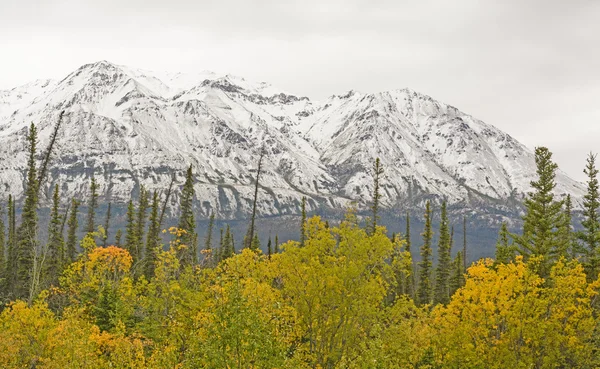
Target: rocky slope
(131, 127)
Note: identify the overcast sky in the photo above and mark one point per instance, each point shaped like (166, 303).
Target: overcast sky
(529, 67)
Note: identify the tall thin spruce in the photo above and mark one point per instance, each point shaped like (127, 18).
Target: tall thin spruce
(590, 235)
(303, 221)
(377, 173)
(424, 291)
(72, 225)
(90, 226)
(249, 239)
(442, 273)
(187, 222)
(106, 225)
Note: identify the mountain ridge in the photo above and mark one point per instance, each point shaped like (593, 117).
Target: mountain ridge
(131, 127)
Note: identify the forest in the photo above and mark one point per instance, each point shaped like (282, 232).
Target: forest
(345, 295)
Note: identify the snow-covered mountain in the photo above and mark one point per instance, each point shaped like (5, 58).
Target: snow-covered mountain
(131, 127)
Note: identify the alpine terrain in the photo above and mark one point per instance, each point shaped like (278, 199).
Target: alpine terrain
(131, 127)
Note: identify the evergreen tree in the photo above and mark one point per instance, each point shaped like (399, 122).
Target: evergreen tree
(27, 264)
(140, 225)
(276, 244)
(106, 225)
(152, 239)
(410, 284)
(131, 237)
(255, 244)
(442, 274)
(71, 248)
(543, 214)
(92, 205)
(56, 245)
(424, 292)
(228, 246)
(209, 235)
(464, 253)
(269, 248)
(118, 237)
(590, 235)
(377, 173)
(303, 222)
(505, 251)
(567, 244)
(249, 239)
(3, 264)
(10, 275)
(457, 276)
(187, 222)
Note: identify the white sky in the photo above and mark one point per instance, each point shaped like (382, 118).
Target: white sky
(529, 67)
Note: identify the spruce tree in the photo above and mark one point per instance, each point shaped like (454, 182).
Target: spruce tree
(72, 224)
(464, 252)
(27, 264)
(92, 205)
(209, 235)
(590, 235)
(543, 214)
(442, 274)
(106, 225)
(3, 263)
(410, 284)
(131, 237)
(255, 244)
(140, 225)
(118, 237)
(55, 257)
(276, 244)
(424, 291)
(377, 173)
(567, 244)
(505, 251)
(269, 248)
(187, 222)
(249, 238)
(10, 275)
(457, 276)
(152, 239)
(303, 221)
(228, 246)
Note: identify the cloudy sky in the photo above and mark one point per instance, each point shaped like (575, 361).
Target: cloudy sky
(529, 67)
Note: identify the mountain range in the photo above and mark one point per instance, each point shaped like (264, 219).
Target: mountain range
(130, 127)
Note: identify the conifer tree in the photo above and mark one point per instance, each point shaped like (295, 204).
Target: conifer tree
(219, 254)
(590, 235)
(464, 252)
(442, 274)
(269, 248)
(424, 291)
(410, 285)
(56, 245)
(106, 225)
(255, 243)
(276, 244)
(567, 244)
(457, 276)
(249, 239)
(543, 214)
(118, 237)
(152, 239)
(92, 205)
(140, 225)
(377, 173)
(209, 233)
(131, 237)
(303, 221)
(228, 246)
(27, 266)
(10, 275)
(2, 253)
(505, 251)
(187, 222)
(72, 224)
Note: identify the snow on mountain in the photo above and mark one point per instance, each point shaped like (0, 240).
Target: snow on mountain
(131, 127)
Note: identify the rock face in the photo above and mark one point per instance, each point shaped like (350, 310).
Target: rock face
(130, 127)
